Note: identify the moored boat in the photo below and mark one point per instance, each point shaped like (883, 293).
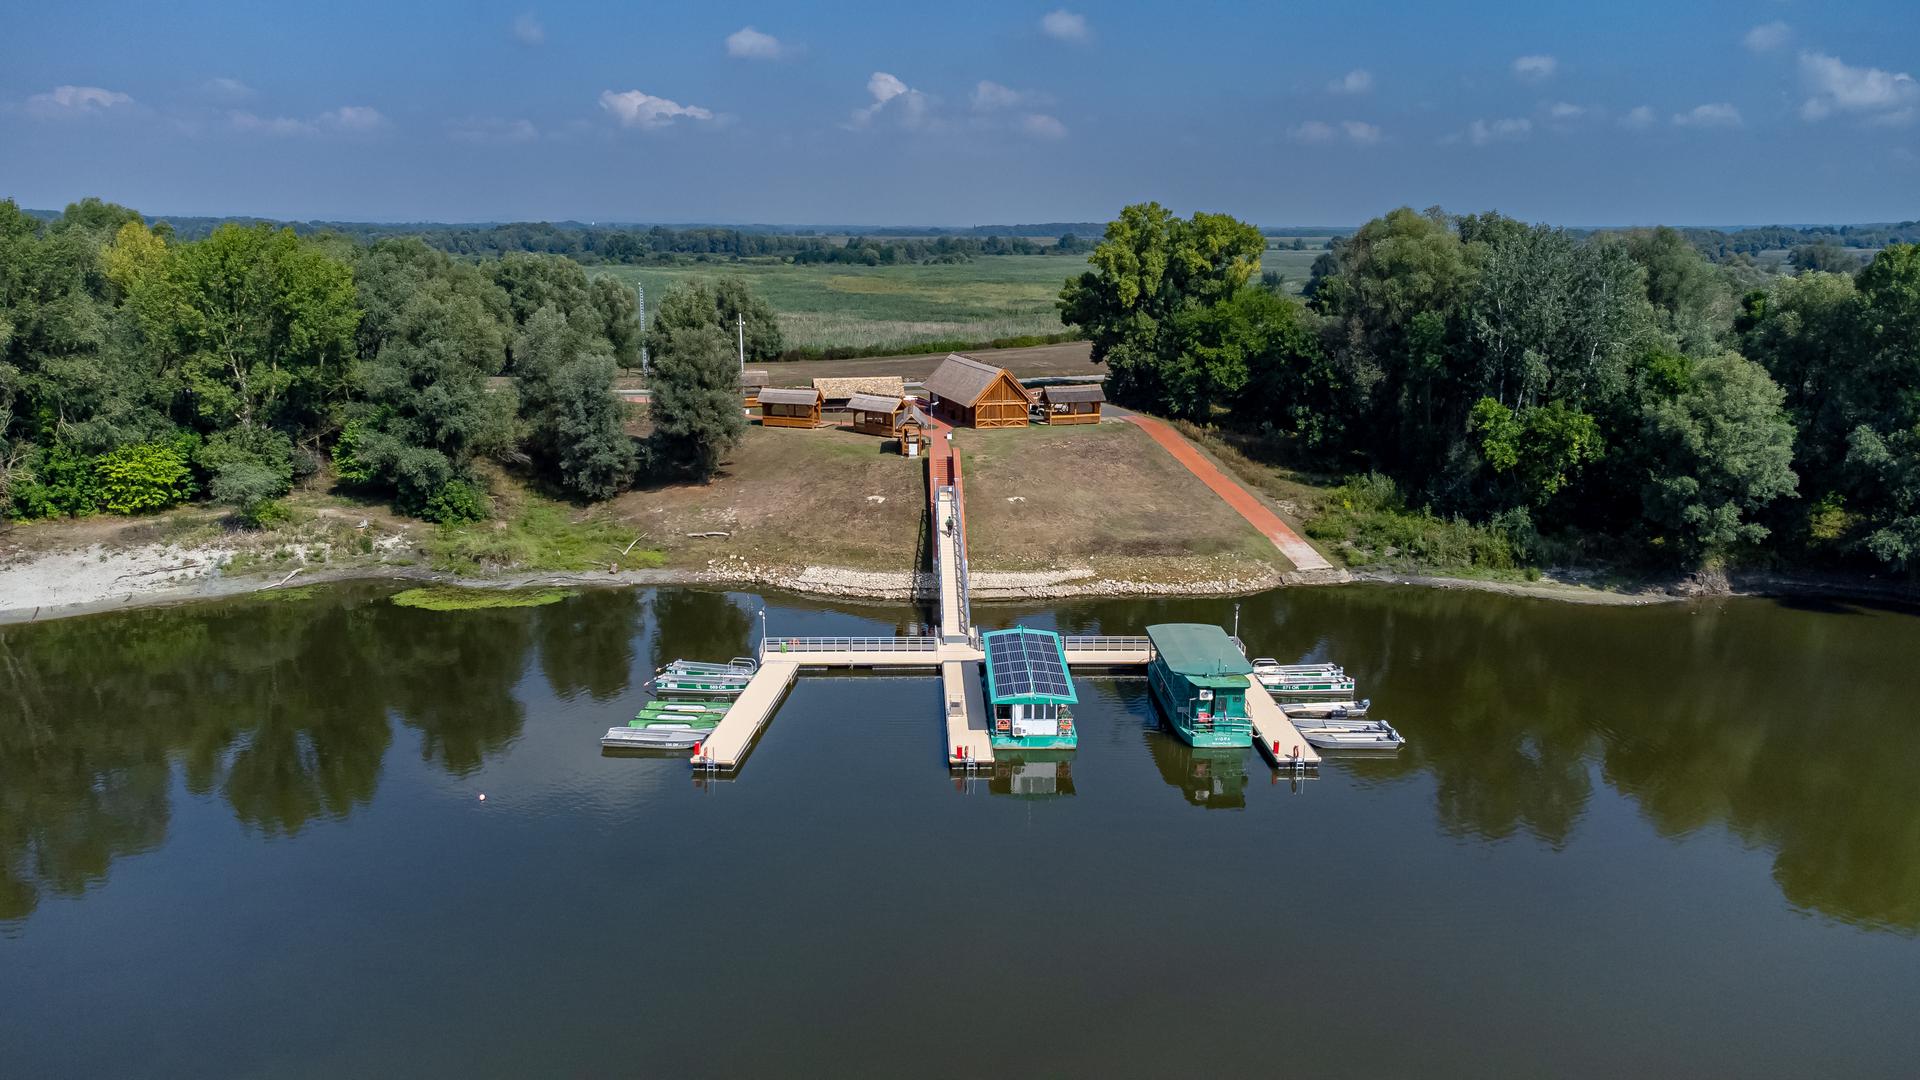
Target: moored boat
(1323, 710)
(1281, 678)
(1352, 735)
(1029, 690)
(1198, 676)
(661, 736)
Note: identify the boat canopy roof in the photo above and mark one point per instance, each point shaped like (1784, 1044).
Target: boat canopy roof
(1027, 667)
(1202, 653)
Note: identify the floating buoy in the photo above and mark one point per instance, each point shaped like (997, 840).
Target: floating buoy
(483, 796)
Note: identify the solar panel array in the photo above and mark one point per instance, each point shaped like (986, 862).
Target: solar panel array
(1027, 664)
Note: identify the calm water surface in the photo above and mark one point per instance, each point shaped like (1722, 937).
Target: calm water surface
(246, 840)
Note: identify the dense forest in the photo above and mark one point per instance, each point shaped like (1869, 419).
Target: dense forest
(1517, 394)
(139, 370)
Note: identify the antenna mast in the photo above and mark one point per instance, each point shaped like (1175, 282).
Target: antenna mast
(641, 292)
(742, 324)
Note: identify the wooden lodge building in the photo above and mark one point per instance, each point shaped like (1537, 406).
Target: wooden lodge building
(752, 381)
(967, 393)
(789, 407)
(1078, 404)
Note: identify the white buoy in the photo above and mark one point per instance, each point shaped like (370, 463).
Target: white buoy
(483, 796)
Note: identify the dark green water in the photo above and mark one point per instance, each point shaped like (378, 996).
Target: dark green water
(246, 840)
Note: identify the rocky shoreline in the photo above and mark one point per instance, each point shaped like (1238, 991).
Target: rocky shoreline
(91, 580)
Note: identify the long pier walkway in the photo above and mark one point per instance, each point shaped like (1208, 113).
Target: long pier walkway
(955, 652)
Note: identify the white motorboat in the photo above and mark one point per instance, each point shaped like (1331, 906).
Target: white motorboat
(1326, 710)
(1367, 735)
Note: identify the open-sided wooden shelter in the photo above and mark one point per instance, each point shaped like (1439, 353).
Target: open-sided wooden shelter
(967, 393)
(874, 414)
(1078, 404)
(914, 426)
(835, 394)
(782, 406)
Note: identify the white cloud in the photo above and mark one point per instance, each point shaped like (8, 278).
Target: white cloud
(1883, 96)
(893, 98)
(353, 118)
(1536, 68)
(747, 43)
(991, 95)
(1717, 114)
(1312, 131)
(1357, 81)
(226, 89)
(488, 130)
(1767, 36)
(76, 101)
(1042, 126)
(1639, 117)
(636, 109)
(1064, 25)
(347, 119)
(1508, 129)
(1319, 131)
(271, 125)
(528, 31)
(1564, 111)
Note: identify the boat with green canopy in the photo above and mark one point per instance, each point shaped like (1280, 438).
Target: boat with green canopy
(1199, 677)
(1029, 690)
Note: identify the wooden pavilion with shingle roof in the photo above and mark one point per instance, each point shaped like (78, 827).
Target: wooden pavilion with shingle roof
(876, 414)
(835, 393)
(789, 407)
(967, 393)
(1075, 404)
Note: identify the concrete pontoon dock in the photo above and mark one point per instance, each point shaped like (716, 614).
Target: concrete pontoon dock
(956, 652)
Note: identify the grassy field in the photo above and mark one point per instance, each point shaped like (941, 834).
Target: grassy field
(1103, 496)
(891, 307)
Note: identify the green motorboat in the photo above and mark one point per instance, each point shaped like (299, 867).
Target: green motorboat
(1199, 677)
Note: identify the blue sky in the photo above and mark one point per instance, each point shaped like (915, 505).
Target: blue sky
(876, 113)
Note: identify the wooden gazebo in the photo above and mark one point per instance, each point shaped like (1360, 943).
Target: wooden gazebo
(782, 406)
(1077, 404)
(967, 393)
(874, 414)
(914, 426)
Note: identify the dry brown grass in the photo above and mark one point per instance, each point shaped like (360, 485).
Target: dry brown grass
(1043, 497)
(791, 497)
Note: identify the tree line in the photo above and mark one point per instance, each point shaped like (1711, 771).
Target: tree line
(139, 370)
(1612, 395)
(640, 245)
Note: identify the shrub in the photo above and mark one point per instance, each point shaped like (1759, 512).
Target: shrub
(147, 476)
(58, 480)
(455, 501)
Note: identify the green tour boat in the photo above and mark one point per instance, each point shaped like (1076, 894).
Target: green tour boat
(1029, 690)
(1199, 677)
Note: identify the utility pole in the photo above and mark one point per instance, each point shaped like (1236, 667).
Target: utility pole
(641, 292)
(742, 324)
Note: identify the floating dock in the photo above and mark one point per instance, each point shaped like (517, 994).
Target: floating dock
(955, 650)
(727, 744)
(1274, 734)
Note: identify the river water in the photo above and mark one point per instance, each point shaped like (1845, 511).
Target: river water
(247, 839)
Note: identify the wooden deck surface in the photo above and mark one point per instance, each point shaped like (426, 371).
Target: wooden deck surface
(727, 744)
(1273, 732)
(968, 738)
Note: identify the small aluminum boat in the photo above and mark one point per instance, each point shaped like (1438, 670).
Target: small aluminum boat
(1373, 735)
(1326, 710)
(655, 737)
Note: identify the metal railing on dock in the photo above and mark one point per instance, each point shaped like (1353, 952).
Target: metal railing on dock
(788, 645)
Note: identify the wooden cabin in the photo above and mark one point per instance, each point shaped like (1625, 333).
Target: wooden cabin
(752, 381)
(782, 406)
(1079, 404)
(877, 415)
(967, 393)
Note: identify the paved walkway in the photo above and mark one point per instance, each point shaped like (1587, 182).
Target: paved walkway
(1298, 551)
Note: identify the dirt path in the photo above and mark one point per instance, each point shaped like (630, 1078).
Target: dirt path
(1298, 552)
